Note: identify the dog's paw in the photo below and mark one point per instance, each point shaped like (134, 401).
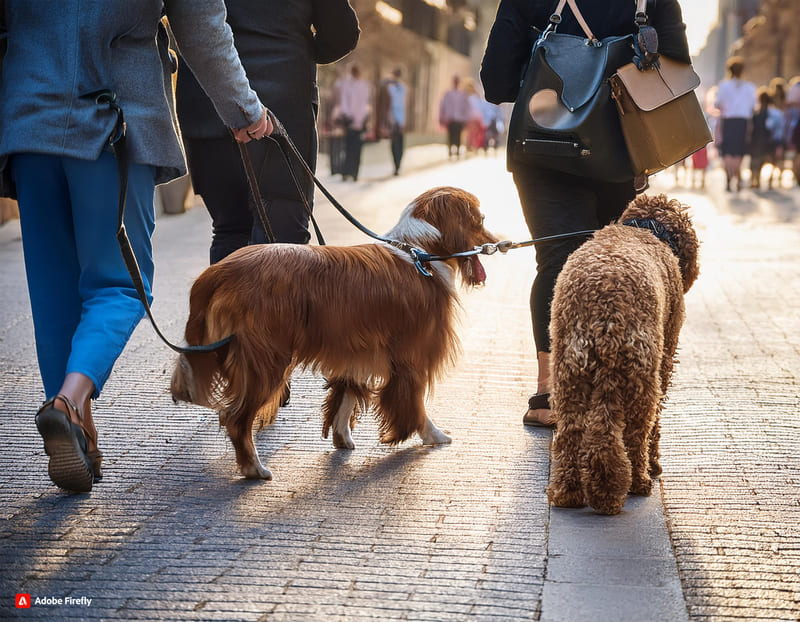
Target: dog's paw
(565, 498)
(609, 509)
(343, 440)
(437, 438)
(431, 435)
(256, 471)
(655, 468)
(642, 486)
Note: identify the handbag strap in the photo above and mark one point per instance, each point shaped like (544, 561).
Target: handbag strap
(555, 18)
(641, 12)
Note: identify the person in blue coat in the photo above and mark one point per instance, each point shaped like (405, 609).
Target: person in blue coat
(55, 159)
(280, 44)
(557, 202)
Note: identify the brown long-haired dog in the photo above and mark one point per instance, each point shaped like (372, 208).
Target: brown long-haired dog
(362, 316)
(616, 314)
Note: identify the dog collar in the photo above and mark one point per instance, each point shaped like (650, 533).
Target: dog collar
(656, 228)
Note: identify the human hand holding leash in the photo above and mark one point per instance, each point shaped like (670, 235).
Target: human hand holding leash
(258, 130)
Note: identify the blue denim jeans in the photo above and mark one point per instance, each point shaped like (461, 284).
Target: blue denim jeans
(83, 302)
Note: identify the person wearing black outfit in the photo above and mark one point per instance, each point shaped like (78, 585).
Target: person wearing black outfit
(556, 202)
(280, 44)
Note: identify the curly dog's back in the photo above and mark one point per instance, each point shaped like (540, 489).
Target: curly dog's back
(616, 315)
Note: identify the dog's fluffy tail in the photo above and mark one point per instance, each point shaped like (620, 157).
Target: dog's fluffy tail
(196, 378)
(598, 389)
(237, 380)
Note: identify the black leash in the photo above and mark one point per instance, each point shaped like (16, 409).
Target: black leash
(281, 138)
(421, 256)
(252, 181)
(418, 256)
(118, 143)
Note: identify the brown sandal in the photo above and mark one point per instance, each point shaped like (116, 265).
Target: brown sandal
(72, 466)
(539, 401)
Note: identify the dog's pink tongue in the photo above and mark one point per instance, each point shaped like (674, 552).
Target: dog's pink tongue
(478, 273)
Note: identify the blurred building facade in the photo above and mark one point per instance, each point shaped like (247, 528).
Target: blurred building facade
(765, 32)
(770, 41)
(430, 40)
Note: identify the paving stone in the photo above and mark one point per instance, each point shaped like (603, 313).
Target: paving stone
(411, 533)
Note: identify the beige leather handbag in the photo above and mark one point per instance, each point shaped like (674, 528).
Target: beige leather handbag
(661, 118)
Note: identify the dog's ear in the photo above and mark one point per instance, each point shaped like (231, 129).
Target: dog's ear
(674, 217)
(454, 212)
(688, 251)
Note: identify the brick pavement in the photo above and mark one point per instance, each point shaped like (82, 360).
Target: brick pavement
(172, 533)
(731, 437)
(458, 532)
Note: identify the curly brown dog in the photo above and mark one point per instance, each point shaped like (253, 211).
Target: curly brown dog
(616, 314)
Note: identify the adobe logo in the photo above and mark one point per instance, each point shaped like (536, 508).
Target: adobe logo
(23, 601)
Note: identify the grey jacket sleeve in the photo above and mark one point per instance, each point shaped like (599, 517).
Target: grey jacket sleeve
(206, 43)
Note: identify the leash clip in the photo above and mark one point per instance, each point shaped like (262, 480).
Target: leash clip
(418, 257)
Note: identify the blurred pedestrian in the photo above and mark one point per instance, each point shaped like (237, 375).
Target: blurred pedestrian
(556, 202)
(54, 155)
(777, 92)
(795, 138)
(354, 109)
(280, 45)
(736, 100)
(699, 166)
(453, 114)
(476, 129)
(336, 127)
(792, 120)
(493, 120)
(392, 114)
(766, 121)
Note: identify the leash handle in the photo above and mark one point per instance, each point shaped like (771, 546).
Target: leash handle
(255, 191)
(285, 144)
(418, 256)
(252, 181)
(118, 142)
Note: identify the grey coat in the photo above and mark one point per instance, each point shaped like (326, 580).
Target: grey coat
(55, 58)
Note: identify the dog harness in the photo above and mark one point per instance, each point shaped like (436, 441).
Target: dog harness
(657, 229)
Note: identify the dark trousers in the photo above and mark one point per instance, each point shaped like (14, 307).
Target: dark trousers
(352, 153)
(454, 130)
(337, 154)
(218, 176)
(553, 203)
(397, 144)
